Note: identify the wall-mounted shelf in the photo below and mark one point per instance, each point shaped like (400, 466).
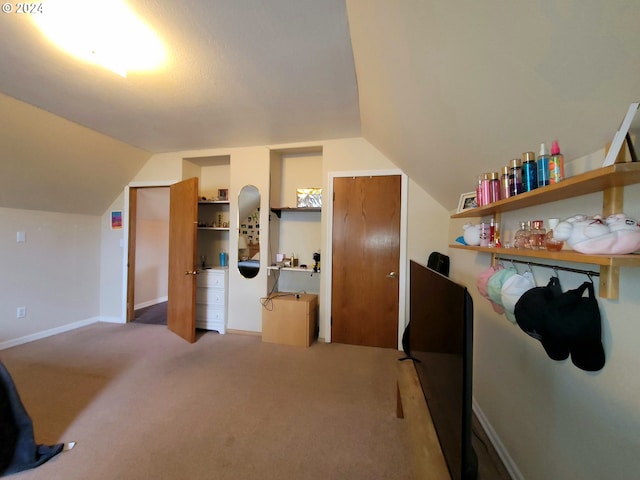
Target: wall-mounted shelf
(278, 210)
(601, 179)
(226, 229)
(293, 269)
(563, 255)
(610, 180)
(205, 202)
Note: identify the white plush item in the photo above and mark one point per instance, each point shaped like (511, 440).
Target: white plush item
(471, 234)
(616, 235)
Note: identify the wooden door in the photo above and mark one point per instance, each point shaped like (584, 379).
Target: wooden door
(183, 231)
(365, 260)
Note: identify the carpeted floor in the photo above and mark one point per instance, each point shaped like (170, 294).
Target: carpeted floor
(152, 315)
(142, 403)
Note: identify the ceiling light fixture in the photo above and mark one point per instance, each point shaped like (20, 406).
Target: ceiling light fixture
(103, 32)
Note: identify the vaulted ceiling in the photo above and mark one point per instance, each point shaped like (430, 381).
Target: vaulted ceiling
(445, 89)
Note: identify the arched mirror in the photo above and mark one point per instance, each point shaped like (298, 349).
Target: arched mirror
(249, 231)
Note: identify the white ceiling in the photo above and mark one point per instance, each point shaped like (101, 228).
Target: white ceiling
(445, 89)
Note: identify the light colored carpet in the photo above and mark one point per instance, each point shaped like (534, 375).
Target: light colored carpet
(144, 404)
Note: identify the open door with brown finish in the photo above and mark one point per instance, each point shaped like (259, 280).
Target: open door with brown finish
(183, 235)
(366, 260)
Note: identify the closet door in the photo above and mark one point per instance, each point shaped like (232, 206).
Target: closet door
(366, 260)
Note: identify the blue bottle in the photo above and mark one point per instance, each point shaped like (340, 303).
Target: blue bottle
(529, 172)
(543, 166)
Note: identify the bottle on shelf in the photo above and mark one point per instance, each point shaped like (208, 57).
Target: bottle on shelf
(485, 188)
(552, 244)
(521, 237)
(543, 166)
(529, 171)
(484, 234)
(494, 234)
(538, 234)
(479, 198)
(494, 186)
(556, 164)
(515, 177)
(505, 190)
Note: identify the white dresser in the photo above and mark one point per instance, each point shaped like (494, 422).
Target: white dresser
(212, 298)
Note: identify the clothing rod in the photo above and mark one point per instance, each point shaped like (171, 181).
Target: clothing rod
(588, 273)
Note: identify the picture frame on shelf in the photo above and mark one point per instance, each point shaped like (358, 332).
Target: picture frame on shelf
(223, 194)
(630, 127)
(467, 201)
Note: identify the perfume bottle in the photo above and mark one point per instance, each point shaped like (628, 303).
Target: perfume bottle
(494, 186)
(505, 190)
(521, 239)
(494, 234)
(515, 177)
(538, 234)
(529, 171)
(556, 164)
(543, 166)
(552, 244)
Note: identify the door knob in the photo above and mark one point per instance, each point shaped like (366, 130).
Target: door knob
(392, 275)
(192, 272)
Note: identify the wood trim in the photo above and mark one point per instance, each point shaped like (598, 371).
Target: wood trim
(131, 259)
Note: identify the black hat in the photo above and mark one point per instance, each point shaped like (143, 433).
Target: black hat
(579, 319)
(534, 316)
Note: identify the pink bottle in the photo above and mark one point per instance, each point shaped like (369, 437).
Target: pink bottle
(556, 164)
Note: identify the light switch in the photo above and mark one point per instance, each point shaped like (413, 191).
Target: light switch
(21, 237)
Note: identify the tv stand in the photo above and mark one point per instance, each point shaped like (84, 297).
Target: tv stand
(427, 454)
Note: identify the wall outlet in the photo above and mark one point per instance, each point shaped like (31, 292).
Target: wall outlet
(21, 312)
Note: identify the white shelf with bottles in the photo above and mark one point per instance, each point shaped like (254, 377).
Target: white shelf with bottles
(609, 180)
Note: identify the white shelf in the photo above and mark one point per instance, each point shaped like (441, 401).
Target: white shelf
(292, 269)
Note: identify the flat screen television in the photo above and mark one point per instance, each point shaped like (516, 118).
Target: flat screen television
(441, 345)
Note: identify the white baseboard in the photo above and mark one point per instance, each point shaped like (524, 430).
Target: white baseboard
(48, 333)
(155, 301)
(111, 320)
(509, 464)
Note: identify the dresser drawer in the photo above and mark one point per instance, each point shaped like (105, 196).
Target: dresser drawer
(213, 314)
(213, 277)
(211, 318)
(210, 296)
(217, 326)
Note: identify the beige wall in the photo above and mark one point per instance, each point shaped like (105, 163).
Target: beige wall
(251, 166)
(55, 274)
(558, 421)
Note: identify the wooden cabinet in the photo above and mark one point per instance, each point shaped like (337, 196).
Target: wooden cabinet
(291, 319)
(609, 180)
(212, 299)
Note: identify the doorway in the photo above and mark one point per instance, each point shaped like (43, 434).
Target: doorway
(367, 259)
(147, 281)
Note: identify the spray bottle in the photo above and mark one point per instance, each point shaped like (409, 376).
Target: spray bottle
(556, 164)
(543, 166)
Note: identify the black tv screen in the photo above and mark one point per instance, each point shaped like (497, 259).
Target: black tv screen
(441, 344)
